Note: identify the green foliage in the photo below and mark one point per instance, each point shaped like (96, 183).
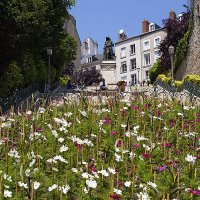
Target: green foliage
(64, 80)
(155, 70)
(165, 79)
(27, 29)
(194, 79)
(178, 84)
(12, 79)
(181, 49)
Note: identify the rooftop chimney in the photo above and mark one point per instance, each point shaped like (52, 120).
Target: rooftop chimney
(172, 15)
(145, 26)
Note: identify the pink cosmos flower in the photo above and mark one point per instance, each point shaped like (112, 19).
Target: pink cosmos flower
(79, 147)
(115, 196)
(119, 143)
(161, 168)
(114, 133)
(146, 155)
(197, 192)
(107, 121)
(136, 146)
(167, 145)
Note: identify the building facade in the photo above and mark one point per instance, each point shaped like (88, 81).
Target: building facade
(136, 55)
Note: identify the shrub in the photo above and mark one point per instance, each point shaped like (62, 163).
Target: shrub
(165, 79)
(154, 71)
(194, 79)
(178, 84)
(64, 80)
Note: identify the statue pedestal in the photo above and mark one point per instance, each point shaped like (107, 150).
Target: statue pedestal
(108, 71)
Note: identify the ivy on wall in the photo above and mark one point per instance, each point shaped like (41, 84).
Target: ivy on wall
(181, 50)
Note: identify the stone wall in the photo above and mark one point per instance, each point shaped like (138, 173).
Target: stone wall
(70, 27)
(191, 65)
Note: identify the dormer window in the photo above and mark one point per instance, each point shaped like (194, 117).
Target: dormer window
(151, 27)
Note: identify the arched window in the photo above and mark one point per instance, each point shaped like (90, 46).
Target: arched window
(197, 9)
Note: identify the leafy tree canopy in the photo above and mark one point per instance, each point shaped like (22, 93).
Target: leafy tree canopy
(28, 27)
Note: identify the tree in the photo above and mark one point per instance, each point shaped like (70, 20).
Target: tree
(12, 79)
(175, 31)
(28, 27)
(87, 76)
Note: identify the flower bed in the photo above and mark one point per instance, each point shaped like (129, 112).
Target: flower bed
(101, 148)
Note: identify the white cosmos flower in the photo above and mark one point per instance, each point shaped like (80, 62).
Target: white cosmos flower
(86, 190)
(143, 196)
(8, 178)
(123, 125)
(61, 140)
(112, 170)
(7, 194)
(159, 105)
(118, 158)
(141, 138)
(63, 148)
(53, 187)
(127, 184)
(55, 134)
(74, 170)
(190, 158)
(103, 172)
(28, 172)
(13, 153)
(85, 175)
(152, 184)
(117, 191)
(64, 188)
(83, 113)
(186, 108)
(36, 185)
(23, 185)
(91, 183)
(28, 112)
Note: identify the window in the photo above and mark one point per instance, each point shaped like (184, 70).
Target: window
(89, 60)
(123, 52)
(152, 27)
(123, 78)
(123, 67)
(147, 59)
(133, 64)
(156, 55)
(147, 75)
(146, 45)
(157, 41)
(132, 49)
(133, 78)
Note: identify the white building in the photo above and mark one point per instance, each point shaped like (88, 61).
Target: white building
(88, 49)
(135, 55)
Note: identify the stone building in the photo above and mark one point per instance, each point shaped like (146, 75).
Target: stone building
(70, 27)
(191, 65)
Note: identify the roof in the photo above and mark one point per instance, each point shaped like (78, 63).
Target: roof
(141, 35)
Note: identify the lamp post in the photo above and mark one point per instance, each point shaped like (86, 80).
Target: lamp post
(138, 70)
(49, 53)
(171, 53)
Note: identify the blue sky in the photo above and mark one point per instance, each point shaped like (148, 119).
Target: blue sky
(101, 18)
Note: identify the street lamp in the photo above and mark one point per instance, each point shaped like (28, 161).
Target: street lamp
(171, 53)
(138, 70)
(49, 53)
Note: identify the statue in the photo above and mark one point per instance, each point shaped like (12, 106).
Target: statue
(108, 49)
